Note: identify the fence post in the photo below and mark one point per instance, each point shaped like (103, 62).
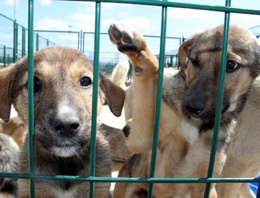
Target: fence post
(4, 61)
(37, 42)
(23, 42)
(48, 43)
(15, 42)
(83, 42)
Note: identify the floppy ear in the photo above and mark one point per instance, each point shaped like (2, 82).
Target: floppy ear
(7, 76)
(114, 95)
(184, 52)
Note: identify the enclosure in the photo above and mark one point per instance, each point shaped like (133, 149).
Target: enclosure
(33, 44)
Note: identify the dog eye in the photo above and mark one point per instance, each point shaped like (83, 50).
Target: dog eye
(37, 85)
(85, 82)
(232, 66)
(194, 62)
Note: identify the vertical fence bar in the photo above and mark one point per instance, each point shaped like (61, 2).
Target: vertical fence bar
(78, 40)
(83, 42)
(37, 42)
(30, 95)
(15, 42)
(258, 191)
(23, 41)
(47, 42)
(220, 98)
(158, 99)
(4, 53)
(94, 98)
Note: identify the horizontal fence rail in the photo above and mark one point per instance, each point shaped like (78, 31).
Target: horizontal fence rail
(227, 10)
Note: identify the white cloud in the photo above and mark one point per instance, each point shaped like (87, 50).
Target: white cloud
(245, 20)
(52, 24)
(68, 37)
(140, 23)
(7, 36)
(12, 2)
(82, 21)
(181, 13)
(45, 2)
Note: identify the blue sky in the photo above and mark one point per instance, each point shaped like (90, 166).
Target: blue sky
(76, 16)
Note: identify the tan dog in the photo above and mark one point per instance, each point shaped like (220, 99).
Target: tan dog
(62, 105)
(188, 107)
(14, 128)
(243, 157)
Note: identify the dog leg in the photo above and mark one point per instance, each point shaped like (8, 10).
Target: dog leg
(145, 69)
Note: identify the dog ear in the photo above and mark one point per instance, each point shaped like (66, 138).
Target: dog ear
(7, 76)
(184, 52)
(114, 95)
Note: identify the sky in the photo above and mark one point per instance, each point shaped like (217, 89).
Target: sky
(77, 16)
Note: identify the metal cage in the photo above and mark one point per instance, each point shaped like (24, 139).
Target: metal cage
(226, 10)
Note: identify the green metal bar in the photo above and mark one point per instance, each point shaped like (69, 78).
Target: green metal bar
(6, 17)
(23, 41)
(127, 179)
(79, 40)
(47, 42)
(95, 98)
(158, 99)
(83, 42)
(56, 31)
(37, 42)
(4, 53)
(220, 98)
(183, 5)
(15, 42)
(31, 95)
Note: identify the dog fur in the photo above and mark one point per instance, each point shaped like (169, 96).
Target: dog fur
(14, 128)
(188, 107)
(62, 105)
(243, 153)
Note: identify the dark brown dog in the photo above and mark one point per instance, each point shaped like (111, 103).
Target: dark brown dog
(62, 104)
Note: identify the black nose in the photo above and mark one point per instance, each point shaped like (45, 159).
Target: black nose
(66, 127)
(195, 106)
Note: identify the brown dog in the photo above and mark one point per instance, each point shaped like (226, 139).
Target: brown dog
(188, 107)
(62, 105)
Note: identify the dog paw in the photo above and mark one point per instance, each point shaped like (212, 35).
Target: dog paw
(126, 38)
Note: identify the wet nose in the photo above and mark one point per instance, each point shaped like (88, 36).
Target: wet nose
(195, 106)
(66, 127)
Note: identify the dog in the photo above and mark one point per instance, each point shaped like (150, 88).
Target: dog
(14, 128)
(242, 154)
(62, 104)
(188, 107)
(9, 154)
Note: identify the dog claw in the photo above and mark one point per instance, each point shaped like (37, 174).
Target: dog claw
(114, 33)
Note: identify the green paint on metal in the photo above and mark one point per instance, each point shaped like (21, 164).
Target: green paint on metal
(31, 95)
(4, 56)
(37, 42)
(15, 41)
(183, 5)
(220, 99)
(129, 180)
(159, 98)
(95, 98)
(23, 41)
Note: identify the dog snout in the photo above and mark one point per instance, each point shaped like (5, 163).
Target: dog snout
(66, 127)
(195, 105)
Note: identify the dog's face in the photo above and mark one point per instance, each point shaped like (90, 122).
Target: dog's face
(200, 58)
(62, 98)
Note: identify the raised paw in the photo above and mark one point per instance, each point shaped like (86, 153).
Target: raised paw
(127, 39)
